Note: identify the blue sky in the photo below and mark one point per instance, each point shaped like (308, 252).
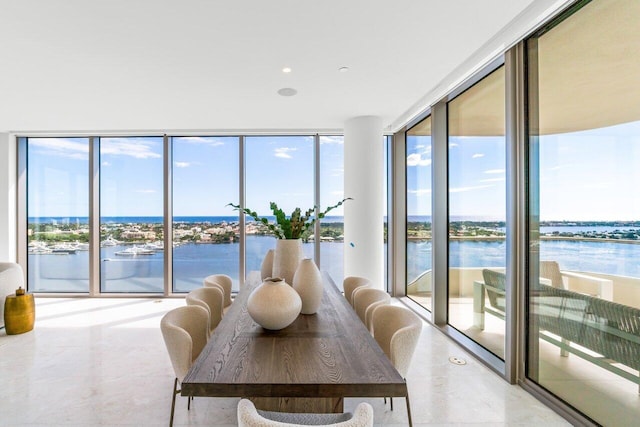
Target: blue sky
(205, 170)
(589, 175)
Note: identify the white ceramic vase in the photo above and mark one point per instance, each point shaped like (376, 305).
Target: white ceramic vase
(307, 281)
(286, 258)
(266, 268)
(274, 304)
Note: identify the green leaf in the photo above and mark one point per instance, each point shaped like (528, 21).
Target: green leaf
(293, 227)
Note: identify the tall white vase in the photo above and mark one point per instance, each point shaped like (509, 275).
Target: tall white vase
(274, 304)
(308, 283)
(266, 268)
(286, 258)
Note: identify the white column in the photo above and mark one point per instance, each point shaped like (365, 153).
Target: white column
(364, 215)
(8, 187)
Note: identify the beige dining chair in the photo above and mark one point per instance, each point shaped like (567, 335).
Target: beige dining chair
(212, 299)
(185, 331)
(249, 416)
(351, 283)
(365, 300)
(223, 281)
(397, 331)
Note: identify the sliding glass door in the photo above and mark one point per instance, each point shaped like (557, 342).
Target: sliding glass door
(583, 342)
(477, 212)
(131, 215)
(419, 189)
(206, 235)
(58, 214)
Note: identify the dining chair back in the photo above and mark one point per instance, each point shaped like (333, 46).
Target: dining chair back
(212, 299)
(397, 331)
(365, 300)
(185, 331)
(351, 283)
(249, 416)
(224, 282)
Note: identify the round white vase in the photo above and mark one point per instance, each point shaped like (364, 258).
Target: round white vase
(274, 304)
(286, 258)
(308, 283)
(266, 268)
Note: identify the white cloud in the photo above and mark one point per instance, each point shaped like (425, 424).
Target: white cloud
(420, 191)
(477, 155)
(106, 164)
(146, 191)
(69, 148)
(283, 152)
(331, 140)
(494, 171)
(136, 148)
(465, 189)
(597, 186)
(337, 193)
(182, 164)
(493, 180)
(453, 144)
(416, 159)
(558, 167)
(207, 140)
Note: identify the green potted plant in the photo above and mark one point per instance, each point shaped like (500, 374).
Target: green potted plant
(292, 227)
(288, 231)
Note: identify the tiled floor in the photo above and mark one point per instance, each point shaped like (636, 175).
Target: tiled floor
(103, 362)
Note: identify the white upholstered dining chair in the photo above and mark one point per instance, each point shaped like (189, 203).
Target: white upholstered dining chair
(365, 300)
(249, 416)
(351, 283)
(185, 331)
(212, 299)
(397, 331)
(224, 282)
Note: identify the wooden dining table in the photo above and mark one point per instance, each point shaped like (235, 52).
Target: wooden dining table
(309, 366)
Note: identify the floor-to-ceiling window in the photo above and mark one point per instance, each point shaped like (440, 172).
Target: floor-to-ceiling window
(477, 212)
(584, 226)
(204, 178)
(418, 179)
(57, 214)
(131, 215)
(205, 230)
(278, 169)
(331, 192)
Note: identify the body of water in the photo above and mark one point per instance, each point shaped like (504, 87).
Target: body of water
(192, 261)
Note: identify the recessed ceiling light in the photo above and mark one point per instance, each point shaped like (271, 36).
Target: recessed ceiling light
(343, 69)
(286, 70)
(287, 91)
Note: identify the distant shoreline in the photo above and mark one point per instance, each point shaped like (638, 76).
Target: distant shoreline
(498, 238)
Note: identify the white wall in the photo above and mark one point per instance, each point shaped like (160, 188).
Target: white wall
(8, 185)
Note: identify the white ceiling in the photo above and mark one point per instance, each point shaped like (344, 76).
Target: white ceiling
(160, 65)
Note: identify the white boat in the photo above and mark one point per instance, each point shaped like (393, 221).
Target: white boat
(109, 241)
(63, 249)
(135, 251)
(81, 246)
(154, 246)
(39, 250)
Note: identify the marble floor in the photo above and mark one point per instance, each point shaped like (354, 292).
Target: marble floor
(103, 362)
